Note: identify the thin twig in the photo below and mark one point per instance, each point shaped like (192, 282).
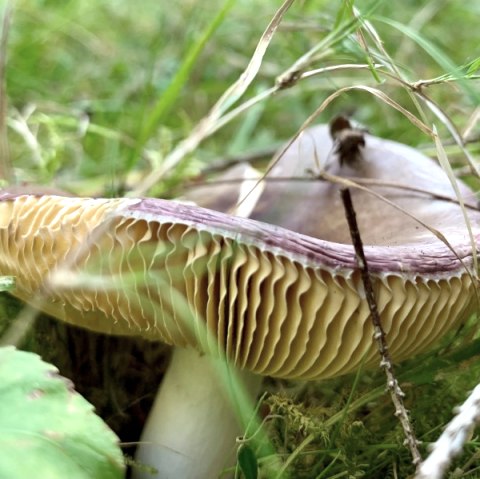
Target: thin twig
(386, 363)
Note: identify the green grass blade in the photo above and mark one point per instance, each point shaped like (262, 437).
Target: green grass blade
(435, 52)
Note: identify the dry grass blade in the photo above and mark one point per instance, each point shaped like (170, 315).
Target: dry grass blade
(245, 209)
(443, 160)
(372, 32)
(360, 180)
(335, 68)
(472, 122)
(225, 162)
(208, 124)
(389, 63)
(415, 91)
(272, 90)
(290, 76)
(309, 121)
(450, 443)
(443, 117)
(240, 86)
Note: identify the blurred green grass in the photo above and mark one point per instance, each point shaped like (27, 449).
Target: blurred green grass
(86, 78)
(84, 81)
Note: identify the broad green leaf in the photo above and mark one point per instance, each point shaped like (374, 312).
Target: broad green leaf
(47, 430)
(247, 462)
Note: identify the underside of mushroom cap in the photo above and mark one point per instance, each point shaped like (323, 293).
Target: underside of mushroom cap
(274, 301)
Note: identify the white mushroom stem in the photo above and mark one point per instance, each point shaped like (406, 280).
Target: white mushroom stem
(195, 419)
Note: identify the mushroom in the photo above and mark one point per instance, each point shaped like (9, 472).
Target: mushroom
(276, 295)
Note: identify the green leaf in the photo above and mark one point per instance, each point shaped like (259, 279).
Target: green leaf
(247, 462)
(47, 430)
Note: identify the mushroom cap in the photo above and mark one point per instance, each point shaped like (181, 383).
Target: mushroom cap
(321, 214)
(275, 301)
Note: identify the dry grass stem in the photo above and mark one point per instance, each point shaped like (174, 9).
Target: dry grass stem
(445, 164)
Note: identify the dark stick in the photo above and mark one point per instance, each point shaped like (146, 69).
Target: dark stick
(379, 335)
